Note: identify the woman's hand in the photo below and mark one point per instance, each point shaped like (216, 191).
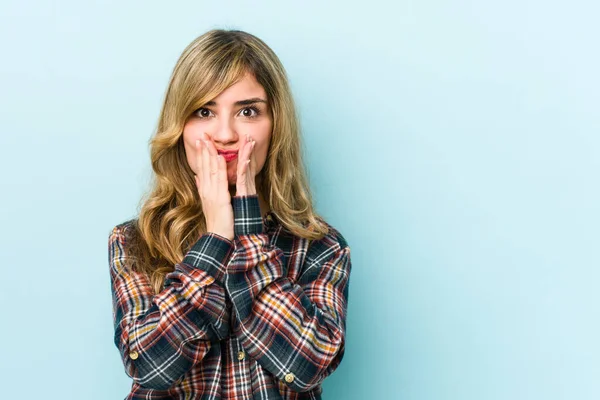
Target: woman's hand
(213, 188)
(246, 168)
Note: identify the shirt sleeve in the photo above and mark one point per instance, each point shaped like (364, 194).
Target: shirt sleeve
(295, 330)
(160, 337)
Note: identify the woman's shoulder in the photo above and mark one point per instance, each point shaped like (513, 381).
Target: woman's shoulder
(336, 235)
(122, 229)
(126, 224)
(332, 240)
(331, 247)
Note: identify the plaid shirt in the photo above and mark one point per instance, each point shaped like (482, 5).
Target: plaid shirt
(259, 317)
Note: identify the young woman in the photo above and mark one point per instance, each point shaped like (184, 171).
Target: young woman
(228, 285)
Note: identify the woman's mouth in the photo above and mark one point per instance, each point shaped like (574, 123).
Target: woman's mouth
(229, 155)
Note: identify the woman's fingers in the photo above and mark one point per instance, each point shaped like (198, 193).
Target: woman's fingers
(248, 158)
(245, 179)
(199, 162)
(212, 150)
(218, 167)
(211, 178)
(205, 167)
(241, 155)
(222, 183)
(214, 160)
(214, 167)
(252, 163)
(250, 175)
(240, 181)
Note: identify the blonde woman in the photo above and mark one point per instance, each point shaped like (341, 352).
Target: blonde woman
(228, 285)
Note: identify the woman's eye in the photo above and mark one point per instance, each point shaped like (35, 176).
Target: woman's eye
(247, 112)
(203, 112)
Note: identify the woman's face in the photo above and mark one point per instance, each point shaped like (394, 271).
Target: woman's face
(239, 110)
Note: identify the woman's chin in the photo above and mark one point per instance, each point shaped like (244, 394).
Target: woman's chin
(231, 178)
(232, 172)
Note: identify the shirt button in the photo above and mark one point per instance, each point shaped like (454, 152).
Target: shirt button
(133, 355)
(289, 378)
(269, 221)
(241, 355)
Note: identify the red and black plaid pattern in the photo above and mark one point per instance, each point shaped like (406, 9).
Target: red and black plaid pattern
(262, 316)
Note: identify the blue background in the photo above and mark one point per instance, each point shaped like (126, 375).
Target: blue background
(454, 143)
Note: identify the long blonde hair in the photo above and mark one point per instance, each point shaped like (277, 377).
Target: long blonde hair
(170, 218)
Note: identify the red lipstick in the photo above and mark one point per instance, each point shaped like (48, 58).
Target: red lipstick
(228, 155)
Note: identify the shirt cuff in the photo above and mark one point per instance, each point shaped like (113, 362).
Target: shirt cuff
(210, 253)
(246, 215)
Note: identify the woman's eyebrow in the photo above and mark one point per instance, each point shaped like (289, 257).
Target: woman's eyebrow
(241, 102)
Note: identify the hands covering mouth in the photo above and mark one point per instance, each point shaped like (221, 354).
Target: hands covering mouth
(212, 181)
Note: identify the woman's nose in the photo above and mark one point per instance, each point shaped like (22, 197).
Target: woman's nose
(224, 132)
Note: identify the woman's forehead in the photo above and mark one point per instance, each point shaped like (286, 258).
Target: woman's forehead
(245, 91)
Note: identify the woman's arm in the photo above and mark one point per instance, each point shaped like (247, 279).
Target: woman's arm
(161, 336)
(295, 330)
